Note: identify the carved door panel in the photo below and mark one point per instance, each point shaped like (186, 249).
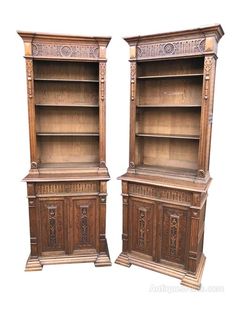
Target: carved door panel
(142, 220)
(175, 224)
(52, 225)
(83, 223)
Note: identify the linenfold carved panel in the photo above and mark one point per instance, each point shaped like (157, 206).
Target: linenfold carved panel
(65, 51)
(161, 193)
(57, 188)
(154, 50)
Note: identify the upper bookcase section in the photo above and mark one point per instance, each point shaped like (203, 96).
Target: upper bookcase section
(64, 47)
(194, 42)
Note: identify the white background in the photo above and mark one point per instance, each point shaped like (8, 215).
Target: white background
(72, 288)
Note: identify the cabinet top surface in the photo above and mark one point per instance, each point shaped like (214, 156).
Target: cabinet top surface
(212, 30)
(65, 177)
(189, 184)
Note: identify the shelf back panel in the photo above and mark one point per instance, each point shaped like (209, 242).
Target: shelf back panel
(70, 119)
(181, 121)
(66, 93)
(171, 67)
(169, 153)
(68, 149)
(66, 70)
(168, 91)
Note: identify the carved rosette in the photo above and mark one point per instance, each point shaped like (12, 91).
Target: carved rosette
(102, 79)
(29, 73)
(182, 47)
(65, 51)
(133, 79)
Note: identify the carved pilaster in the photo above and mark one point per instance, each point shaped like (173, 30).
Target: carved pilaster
(206, 114)
(32, 220)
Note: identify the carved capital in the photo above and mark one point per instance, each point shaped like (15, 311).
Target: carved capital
(103, 199)
(34, 165)
(201, 173)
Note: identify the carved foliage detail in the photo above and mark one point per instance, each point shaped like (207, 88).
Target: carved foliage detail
(51, 188)
(161, 193)
(190, 46)
(84, 224)
(65, 51)
(29, 73)
(174, 225)
(133, 80)
(141, 227)
(102, 79)
(52, 225)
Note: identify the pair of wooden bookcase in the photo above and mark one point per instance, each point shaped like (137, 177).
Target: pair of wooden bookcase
(165, 188)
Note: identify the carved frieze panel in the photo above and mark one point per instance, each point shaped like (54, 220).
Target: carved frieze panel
(161, 193)
(65, 51)
(174, 48)
(57, 188)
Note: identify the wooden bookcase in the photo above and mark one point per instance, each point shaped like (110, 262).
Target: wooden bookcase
(68, 176)
(165, 188)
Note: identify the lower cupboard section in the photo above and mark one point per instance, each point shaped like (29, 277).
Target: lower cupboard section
(159, 231)
(67, 225)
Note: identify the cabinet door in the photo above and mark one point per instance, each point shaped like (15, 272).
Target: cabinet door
(83, 223)
(51, 216)
(175, 222)
(141, 226)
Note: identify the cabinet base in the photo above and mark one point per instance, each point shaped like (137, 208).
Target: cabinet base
(35, 264)
(187, 279)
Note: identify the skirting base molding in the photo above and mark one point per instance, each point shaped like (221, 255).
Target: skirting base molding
(35, 264)
(187, 279)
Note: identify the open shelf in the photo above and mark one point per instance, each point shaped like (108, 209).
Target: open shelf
(73, 121)
(171, 68)
(193, 137)
(66, 134)
(82, 105)
(167, 152)
(62, 70)
(168, 105)
(180, 91)
(68, 149)
(168, 122)
(166, 170)
(65, 80)
(69, 165)
(169, 76)
(62, 93)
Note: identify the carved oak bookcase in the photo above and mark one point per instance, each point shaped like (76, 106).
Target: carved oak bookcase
(67, 181)
(165, 188)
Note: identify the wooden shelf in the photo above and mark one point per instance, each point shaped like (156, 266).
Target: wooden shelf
(65, 80)
(82, 105)
(170, 76)
(168, 106)
(69, 165)
(176, 136)
(66, 134)
(167, 170)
